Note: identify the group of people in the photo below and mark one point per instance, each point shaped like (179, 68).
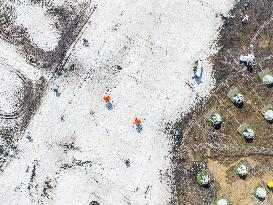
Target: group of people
(108, 103)
(137, 122)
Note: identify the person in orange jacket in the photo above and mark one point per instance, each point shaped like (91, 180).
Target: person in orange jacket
(138, 124)
(107, 100)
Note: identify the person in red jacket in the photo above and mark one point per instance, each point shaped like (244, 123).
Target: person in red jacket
(138, 124)
(107, 99)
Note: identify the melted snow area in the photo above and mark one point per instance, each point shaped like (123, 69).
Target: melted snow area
(39, 25)
(155, 43)
(11, 91)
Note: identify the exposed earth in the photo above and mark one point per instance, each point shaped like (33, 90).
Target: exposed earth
(203, 147)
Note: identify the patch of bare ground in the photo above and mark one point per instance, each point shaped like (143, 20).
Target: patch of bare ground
(203, 147)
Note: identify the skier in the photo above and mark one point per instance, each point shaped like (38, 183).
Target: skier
(178, 135)
(195, 69)
(56, 91)
(29, 137)
(127, 163)
(107, 100)
(85, 42)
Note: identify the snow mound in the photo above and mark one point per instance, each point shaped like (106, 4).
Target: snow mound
(261, 193)
(248, 133)
(39, 25)
(242, 170)
(11, 87)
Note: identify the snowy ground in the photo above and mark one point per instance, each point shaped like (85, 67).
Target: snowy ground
(155, 42)
(10, 57)
(11, 91)
(14, 73)
(39, 25)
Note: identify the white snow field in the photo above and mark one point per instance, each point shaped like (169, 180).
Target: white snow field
(11, 84)
(38, 24)
(155, 42)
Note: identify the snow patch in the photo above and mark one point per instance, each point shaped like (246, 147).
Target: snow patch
(39, 25)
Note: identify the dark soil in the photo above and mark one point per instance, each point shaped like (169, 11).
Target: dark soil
(200, 141)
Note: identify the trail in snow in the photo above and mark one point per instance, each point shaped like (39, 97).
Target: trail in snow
(155, 42)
